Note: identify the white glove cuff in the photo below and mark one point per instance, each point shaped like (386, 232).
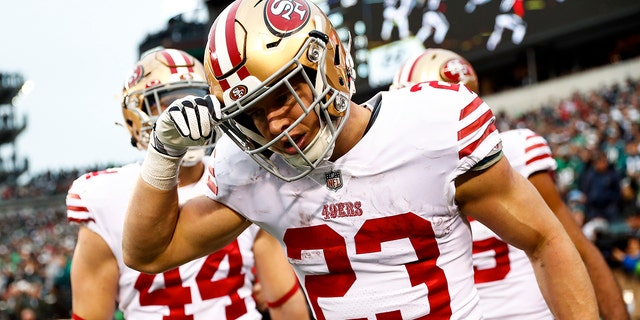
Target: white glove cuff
(159, 170)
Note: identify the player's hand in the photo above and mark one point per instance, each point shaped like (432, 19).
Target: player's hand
(185, 123)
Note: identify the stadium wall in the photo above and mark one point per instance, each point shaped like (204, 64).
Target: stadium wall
(517, 101)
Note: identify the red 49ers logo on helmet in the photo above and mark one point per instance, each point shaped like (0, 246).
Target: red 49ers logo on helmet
(135, 76)
(456, 70)
(284, 17)
(238, 92)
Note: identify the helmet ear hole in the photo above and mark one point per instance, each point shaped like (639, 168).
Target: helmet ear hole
(134, 142)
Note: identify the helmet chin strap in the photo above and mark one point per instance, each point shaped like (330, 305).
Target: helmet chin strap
(192, 157)
(318, 86)
(313, 151)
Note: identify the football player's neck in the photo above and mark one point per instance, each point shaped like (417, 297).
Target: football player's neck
(190, 175)
(353, 130)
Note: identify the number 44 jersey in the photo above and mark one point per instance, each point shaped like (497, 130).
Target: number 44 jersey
(377, 233)
(218, 286)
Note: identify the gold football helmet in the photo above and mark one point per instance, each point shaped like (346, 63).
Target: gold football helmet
(256, 47)
(436, 64)
(160, 77)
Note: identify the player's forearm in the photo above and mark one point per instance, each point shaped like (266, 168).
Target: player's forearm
(609, 295)
(610, 303)
(94, 277)
(294, 308)
(563, 279)
(92, 306)
(149, 225)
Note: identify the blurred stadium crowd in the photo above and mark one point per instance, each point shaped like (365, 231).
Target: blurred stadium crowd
(36, 247)
(594, 135)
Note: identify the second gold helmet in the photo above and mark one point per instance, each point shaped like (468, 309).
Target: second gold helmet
(436, 64)
(159, 77)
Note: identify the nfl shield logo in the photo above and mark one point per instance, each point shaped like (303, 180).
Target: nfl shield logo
(334, 180)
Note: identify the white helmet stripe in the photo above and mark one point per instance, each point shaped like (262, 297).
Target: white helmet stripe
(219, 41)
(176, 58)
(225, 37)
(409, 68)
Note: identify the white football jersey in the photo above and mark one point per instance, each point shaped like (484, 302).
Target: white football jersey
(377, 234)
(218, 286)
(504, 275)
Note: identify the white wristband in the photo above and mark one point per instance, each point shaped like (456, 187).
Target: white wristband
(159, 170)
